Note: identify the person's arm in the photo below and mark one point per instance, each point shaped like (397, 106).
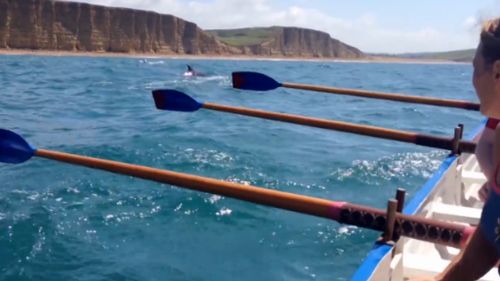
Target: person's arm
(483, 153)
(474, 261)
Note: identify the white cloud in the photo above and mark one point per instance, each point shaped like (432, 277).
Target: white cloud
(362, 32)
(471, 22)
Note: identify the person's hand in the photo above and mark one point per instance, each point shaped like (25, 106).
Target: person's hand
(423, 279)
(484, 192)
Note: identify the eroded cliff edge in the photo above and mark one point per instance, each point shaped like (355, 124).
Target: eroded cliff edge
(300, 42)
(71, 26)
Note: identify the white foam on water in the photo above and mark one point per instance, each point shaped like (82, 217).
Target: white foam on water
(151, 62)
(224, 212)
(400, 165)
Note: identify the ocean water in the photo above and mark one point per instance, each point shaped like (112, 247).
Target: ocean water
(63, 222)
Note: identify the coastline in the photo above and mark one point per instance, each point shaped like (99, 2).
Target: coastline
(371, 59)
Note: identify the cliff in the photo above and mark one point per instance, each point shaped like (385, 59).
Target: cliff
(51, 25)
(70, 26)
(287, 41)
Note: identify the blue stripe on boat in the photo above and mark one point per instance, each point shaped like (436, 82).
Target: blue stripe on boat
(378, 252)
(367, 268)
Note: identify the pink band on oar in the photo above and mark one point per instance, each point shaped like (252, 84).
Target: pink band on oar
(336, 209)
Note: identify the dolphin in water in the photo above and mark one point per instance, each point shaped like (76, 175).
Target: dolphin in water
(190, 71)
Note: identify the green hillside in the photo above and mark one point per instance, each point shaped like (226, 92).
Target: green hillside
(458, 56)
(245, 36)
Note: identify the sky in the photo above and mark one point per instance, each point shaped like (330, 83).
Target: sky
(374, 26)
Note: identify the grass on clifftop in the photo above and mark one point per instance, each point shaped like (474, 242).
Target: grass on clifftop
(456, 56)
(459, 56)
(245, 36)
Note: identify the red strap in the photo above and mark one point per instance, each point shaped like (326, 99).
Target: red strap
(492, 123)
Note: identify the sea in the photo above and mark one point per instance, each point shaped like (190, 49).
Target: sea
(65, 222)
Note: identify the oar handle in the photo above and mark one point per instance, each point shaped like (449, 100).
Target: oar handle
(420, 228)
(373, 131)
(416, 227)
(444, 143)
(386, 96)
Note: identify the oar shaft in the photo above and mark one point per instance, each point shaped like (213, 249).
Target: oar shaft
(379, 132)
(282, 200)
(411, 226)
(386, 96)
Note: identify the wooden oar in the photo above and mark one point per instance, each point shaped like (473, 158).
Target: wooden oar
(260, 82)
(14, 149)
(178, 101)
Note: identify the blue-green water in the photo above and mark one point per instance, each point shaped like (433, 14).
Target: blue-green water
(62, 222)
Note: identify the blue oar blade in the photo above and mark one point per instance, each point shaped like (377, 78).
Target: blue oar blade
(13, 148)
(255, 81)
(174, 100)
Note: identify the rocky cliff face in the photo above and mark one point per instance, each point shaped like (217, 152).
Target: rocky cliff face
(301, 42)
(69, 26)
(51, 25)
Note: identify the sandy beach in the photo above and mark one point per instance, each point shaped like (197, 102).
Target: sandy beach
(371, 59)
